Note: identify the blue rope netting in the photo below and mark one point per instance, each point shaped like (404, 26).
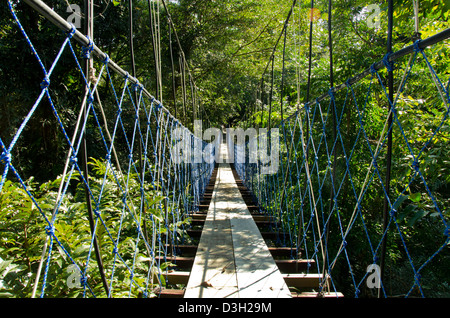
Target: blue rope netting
(325, 228)
(141, 199)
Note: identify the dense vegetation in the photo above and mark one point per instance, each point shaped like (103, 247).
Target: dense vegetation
(227, 45)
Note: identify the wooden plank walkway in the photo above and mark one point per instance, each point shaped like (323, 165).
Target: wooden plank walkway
(232, 259)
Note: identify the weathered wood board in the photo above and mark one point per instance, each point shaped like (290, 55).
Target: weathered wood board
(232, 259)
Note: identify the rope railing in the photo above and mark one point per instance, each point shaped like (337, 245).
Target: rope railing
(140, 198)
(333, 216)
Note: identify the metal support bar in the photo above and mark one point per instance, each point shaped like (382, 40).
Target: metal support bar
(423, 44)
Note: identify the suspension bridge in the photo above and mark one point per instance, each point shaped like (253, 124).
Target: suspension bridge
(133, 222)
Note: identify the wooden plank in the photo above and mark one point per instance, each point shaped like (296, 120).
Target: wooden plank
(177, 277)
(184, 250)
(171, 293)
(316, 295)
(198, 216)
(262, 217)
(178, 261)
(257, 274)
(213, 274)
(232, 258)
(194, 233)
(295, 266)
(282, 251)
(275, 235)
(303, 280)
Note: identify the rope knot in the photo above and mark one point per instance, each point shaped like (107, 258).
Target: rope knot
(389, 65)
(372, 69)
(90, 98)
(87, 50)
(415, 165)
(392, 213)
(374, 163)
(72, 31)
(418, 277)
(83, 279)
(5, 158)
(92, 77)
(45, 82)
(137, 86)
(347, 83)
(416, 46)
(73, 160)
(115, 250)
(50, 230)
(331, 93)
(106, 59)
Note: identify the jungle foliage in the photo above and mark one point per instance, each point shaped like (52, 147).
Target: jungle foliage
(227, 45)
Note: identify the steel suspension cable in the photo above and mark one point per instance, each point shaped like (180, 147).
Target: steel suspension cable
(89, 30)
(173, 70)
(389, 142)
(155, 57)
(283, 72)
(334, 133)
(272, 56)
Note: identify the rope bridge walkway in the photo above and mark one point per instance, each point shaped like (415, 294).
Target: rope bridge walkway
(123, 219)
(233, 259)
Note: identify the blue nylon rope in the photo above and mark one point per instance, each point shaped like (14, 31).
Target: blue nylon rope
(267, 190)
(172, 178)
(182, 185)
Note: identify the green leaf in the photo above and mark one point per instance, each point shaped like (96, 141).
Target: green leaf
(415, 197)
(399, 201)
(417, 217)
